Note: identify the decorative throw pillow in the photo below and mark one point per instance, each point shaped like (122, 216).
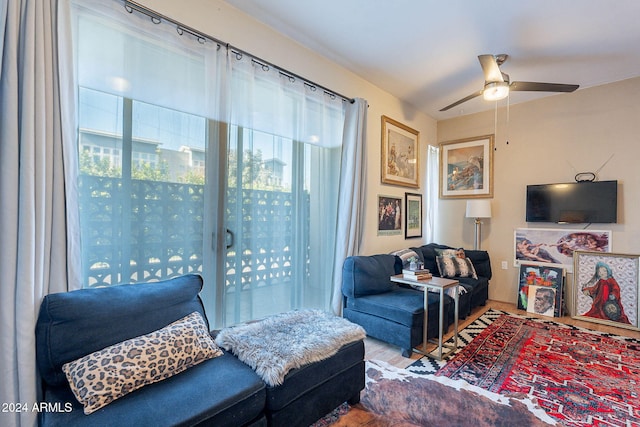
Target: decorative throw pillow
(405, 255)
(455, 267)
(457, 253)
(101, 377)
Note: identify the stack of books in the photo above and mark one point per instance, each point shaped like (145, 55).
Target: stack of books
(423, 274)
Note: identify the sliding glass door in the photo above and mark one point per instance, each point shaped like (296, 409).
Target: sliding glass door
(197, 160)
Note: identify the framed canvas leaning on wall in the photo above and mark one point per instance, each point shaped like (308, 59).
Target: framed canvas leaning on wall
(605, 288)
(541, 290)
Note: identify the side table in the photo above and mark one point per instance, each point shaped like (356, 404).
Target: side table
(438, 284)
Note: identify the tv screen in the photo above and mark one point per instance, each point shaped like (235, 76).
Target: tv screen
(576, 202)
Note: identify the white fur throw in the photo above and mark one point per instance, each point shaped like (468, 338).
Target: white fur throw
(277, 344)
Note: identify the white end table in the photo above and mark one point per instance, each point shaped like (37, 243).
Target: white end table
(438, 284)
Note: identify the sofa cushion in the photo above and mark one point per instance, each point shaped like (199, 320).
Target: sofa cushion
(457, 253)
(101, 377)
(479, 258)
(219, 391)
(406, 255)
(73, 324)
(369, 275)
(404, 305)
(451, 267)
(300, 381)
(428, 254)
(481, 262)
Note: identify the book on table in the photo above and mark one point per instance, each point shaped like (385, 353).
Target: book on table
(416, 272)
(423, 274)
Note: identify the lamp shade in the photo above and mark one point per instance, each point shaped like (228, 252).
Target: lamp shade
(480, 208)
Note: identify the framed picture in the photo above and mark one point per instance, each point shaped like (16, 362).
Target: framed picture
(605, 288)
(400, 154)
(541, 290)
(413, 215)
(389, 215)
(555, 246)
(466, 168)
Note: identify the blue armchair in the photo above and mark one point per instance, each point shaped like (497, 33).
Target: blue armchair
(387, 311)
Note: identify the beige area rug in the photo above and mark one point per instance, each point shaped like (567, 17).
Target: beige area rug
(399, 398)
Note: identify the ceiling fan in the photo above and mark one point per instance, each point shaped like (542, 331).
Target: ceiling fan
(497, 85)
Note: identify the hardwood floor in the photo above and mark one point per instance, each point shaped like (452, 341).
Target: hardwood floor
(378, 350)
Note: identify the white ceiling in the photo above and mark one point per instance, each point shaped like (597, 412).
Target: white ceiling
(425, 51)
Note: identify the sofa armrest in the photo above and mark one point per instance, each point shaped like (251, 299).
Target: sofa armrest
(481, 262)
(369, 275)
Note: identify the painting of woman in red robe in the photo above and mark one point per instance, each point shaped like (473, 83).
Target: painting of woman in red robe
(605, 294)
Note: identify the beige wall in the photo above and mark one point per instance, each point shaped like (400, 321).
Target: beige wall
(227, 24)
(550, 140)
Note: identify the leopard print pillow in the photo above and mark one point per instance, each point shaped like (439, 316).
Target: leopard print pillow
(99, 378)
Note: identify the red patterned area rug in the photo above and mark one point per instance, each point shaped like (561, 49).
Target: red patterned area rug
(580, 377)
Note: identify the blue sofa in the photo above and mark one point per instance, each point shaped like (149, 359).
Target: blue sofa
(477, 289)
(221, 391)
(388, 311)
(395, 313)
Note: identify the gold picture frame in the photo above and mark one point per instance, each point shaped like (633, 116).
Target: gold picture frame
(400, 154)
(466, 168)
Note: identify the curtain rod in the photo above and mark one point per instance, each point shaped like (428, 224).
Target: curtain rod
(157, 18)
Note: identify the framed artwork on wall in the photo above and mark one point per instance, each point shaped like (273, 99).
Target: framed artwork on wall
(605, 288)
(413, 215)
(389, 215)
(555, 246)
(400, 154)
(466, 168)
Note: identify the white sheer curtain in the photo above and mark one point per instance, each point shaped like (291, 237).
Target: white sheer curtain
(282, 117)
(270, 101)
(351, 205)
(127, 54)
(38, 226)
(431, 197)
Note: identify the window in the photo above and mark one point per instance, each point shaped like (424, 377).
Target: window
(168, 170)
(137, 216)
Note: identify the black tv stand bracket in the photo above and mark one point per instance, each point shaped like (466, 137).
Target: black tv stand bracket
(585, 177)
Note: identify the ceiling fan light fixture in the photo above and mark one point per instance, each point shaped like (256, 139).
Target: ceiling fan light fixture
(494, 91)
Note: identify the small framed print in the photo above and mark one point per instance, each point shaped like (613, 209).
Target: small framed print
(389, 215)
(466, 168)
(413, 215)
(400, 149)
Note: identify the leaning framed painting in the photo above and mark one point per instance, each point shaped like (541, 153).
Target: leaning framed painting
(605, 288)
(400, 154)
(555, 246)
(540, 289)
(466, 168)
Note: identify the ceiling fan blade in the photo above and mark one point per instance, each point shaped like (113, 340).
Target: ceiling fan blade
(542, 87)
(465, 99)
(490, 68)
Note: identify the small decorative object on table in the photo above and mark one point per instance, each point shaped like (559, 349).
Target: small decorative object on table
(415, 264)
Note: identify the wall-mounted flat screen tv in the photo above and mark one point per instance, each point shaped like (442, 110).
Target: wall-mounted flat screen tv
(575, 202)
